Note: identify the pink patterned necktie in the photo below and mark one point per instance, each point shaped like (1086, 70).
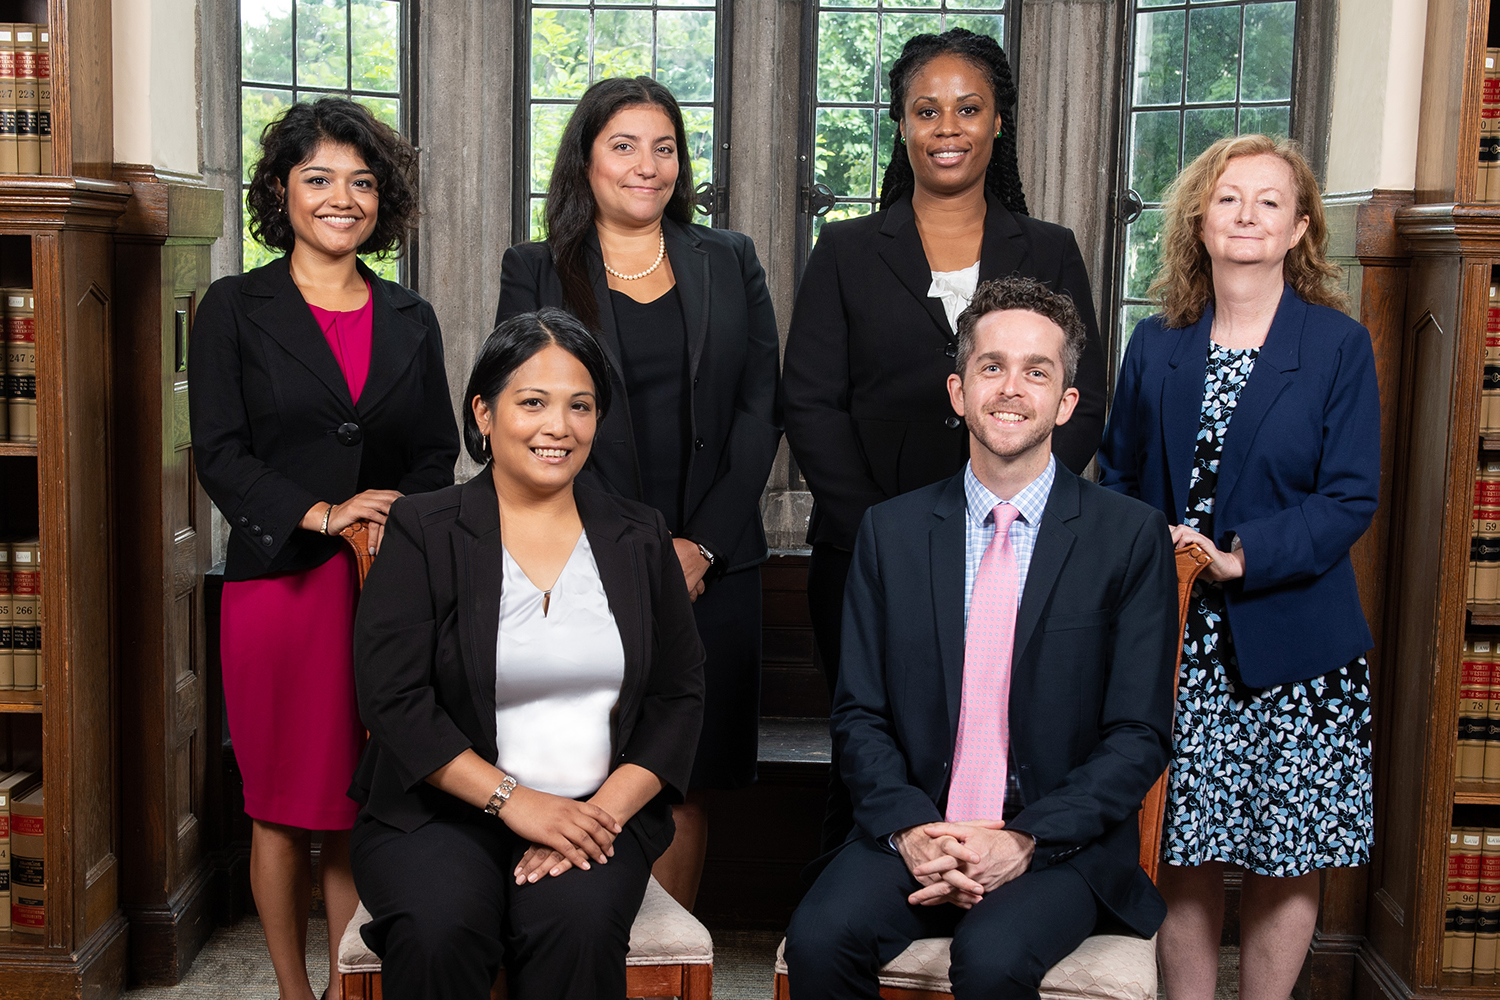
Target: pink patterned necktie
(980, 759)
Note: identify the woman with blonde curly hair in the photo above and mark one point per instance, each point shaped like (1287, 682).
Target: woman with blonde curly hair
(1247, 410)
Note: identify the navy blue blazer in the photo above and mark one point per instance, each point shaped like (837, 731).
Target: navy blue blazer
(1091, 678)
(1299, 476)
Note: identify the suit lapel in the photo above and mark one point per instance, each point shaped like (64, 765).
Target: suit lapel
(1054, 540)
(946, 557)
(624, 580)
(1005, 250)
(394, 339)
(690, 266)
(1182, 405)
(904, 255)
(481, 571)
(286, 319)
(1278, 355)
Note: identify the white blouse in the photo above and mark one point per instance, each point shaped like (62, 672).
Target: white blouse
(955, 288)
(557, 677)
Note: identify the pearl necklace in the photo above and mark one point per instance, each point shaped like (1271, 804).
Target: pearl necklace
(661, 255)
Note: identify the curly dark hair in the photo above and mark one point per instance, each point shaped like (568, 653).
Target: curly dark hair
(1003, 178)
(513, 343)
(570, 199)
(999, 294)
(293, 138)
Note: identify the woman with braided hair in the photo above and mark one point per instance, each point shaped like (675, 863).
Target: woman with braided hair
(872, 339)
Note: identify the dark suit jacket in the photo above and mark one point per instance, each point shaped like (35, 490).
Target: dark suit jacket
(868, 357)
(1091, 677)
(424, 649)
(733, 351)
(1299, 476)
(268, 400)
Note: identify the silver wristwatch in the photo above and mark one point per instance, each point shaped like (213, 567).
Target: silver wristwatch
(500, 796)
(703, 551)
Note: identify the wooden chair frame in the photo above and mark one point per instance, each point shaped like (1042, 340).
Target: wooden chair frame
(689, 982)
(1191, 561)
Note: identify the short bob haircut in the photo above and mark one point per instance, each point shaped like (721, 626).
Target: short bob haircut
(293, 138)
(1184, 285)
(1000, 294)
(570, 198)
(514, 342)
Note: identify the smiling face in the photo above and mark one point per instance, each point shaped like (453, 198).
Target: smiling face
(949, 123)
(1011, 395)
(633, 166)
(331, 200)
(1252, 213)
(543, 422)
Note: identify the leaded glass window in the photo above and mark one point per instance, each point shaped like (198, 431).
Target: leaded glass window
(855, 44)
(301, 50)
(572, 44)
(1199, 71)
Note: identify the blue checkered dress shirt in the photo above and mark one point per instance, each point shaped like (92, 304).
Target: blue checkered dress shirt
(979, 524)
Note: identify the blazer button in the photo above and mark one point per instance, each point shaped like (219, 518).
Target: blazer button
(952, 422)
(698, 445)
(265, 539)
(695, 379)
(244, 520)
(951, 350)
(349, 434)
(255, 529)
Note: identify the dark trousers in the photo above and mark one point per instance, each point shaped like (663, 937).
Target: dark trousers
(856, 918)
(827, 570)
(448, 912)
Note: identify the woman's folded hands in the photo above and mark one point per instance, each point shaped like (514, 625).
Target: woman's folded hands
(564, 833)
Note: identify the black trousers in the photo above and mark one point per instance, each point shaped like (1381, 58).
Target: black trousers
(447, 913)
(827, 570)
(856, 918)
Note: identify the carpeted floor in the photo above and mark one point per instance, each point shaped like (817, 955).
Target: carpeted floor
(234, 964)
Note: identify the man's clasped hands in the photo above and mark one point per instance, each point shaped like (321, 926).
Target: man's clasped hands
(959, 862)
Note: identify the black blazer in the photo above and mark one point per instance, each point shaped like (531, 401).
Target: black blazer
(733, 351)
(868, 357)
(1091, 677)
(274, 431)
(424, 649)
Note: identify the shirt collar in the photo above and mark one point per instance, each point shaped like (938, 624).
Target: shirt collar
(1031, 501)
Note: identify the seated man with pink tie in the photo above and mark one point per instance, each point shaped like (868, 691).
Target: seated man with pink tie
(1004, 698)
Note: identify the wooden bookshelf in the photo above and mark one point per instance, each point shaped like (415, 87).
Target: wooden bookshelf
(1454, 243)
(55, 237)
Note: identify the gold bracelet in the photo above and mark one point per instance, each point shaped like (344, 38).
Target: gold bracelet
(326, 514)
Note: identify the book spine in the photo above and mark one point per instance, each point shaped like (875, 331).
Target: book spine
(1471, 583)
(26, 591)
(1486, 188)
(1487, 927)
(1487, 572)
(28, 135)
(1489, 397)
(1470, 847)
(1492, 712)
(9, 164)
(20, 360)
(4, 861)
(7, 623)
(28, 880)
(44, 100)
(1452, 900)
(1473, 713)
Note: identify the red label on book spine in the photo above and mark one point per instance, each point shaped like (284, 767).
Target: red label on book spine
(31, 826)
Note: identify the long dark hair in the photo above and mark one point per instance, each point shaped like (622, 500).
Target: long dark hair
(513, 343)
(1003, 178)
(292, 138)
(570, 199)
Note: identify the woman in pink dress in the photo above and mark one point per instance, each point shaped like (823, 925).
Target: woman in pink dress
(318, 397)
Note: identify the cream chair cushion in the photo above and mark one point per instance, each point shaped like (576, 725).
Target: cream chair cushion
(663, 934)
(1104, 967)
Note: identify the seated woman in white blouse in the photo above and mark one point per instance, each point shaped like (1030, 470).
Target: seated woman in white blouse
(528, 667)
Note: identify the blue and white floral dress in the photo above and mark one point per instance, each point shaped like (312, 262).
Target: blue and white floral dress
(1275, 779)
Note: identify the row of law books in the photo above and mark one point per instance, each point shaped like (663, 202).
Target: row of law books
(18, 371)
(20, 614)
(23, 870)
(25, 99)
(1487, 187)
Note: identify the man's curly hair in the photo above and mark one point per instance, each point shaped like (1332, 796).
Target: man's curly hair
(296, 135)
(1000, 294)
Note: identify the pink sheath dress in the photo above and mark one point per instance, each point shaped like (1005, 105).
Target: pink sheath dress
(287, 646)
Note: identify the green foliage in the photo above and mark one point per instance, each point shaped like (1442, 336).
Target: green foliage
(322, 43)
